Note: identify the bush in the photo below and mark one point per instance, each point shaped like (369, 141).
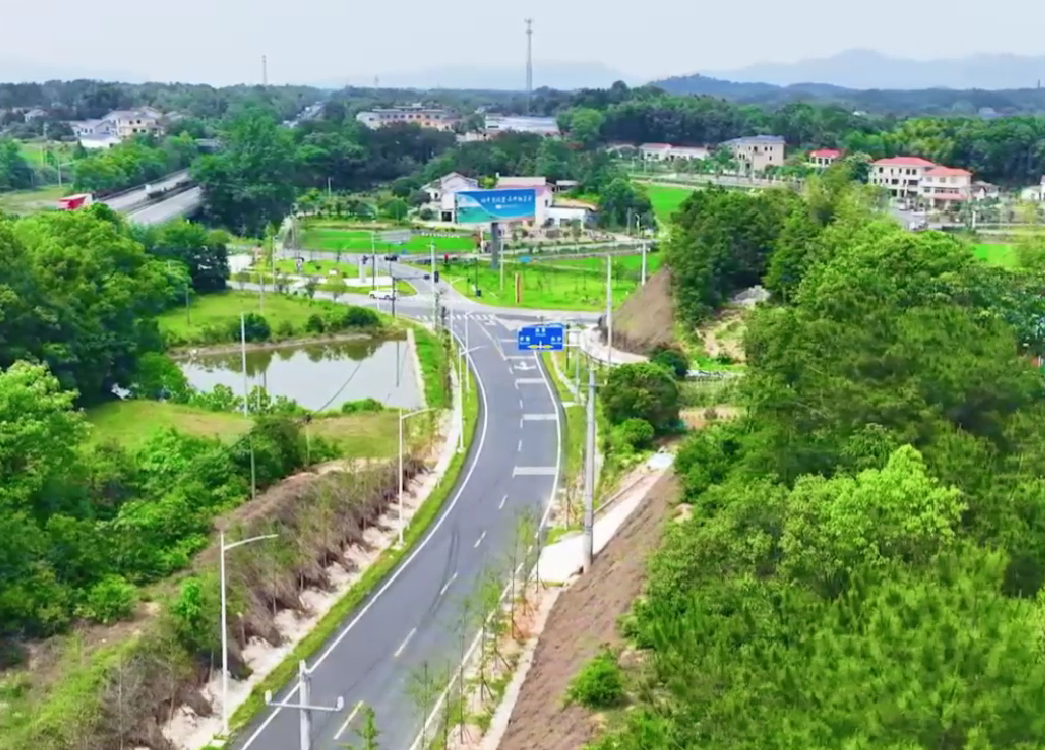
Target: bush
(671, 358)
(637, 432)
(600, 684)
(111, 599)
(255, 329)
(645, 391)
(360, 407)
(360, 317)
(315, 323)
(285, 329)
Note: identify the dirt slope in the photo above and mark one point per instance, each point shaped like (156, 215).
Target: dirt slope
(647, 317)
(584, 618)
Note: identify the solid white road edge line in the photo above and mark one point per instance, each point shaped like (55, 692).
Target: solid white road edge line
(356, 710)
(434, 715)
(403, 565)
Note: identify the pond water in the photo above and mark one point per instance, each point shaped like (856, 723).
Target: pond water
(317, 376)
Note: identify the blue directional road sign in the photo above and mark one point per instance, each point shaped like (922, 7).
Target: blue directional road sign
(542, 337)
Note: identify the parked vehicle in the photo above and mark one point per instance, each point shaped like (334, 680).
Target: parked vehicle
(383, 294)
(71, 202)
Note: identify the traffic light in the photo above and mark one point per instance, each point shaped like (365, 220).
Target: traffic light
(446, 259)
(435, 277)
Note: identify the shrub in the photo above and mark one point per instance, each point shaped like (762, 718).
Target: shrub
(315, 323)
(600, 684)
(255, 328)
(671, 358)
(111, 599)
(360, 317)
(645, 391)
(285, 329)
(359, 407)
(637, 432)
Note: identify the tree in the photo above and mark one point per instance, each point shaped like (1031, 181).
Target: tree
(395, 208)
(645, 391)
(337, 286)
(203, 252)
(250, 183)
(15, 172)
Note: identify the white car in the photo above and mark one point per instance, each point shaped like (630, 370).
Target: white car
(382, 294)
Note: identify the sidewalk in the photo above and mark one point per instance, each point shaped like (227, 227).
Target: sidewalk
(562, 560)
(593, 346)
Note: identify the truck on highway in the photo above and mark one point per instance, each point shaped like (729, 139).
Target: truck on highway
(72, 202)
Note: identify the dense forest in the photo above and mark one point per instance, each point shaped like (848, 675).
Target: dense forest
(863, 565)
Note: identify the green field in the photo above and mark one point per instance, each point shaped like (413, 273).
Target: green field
(131, 423)
(625, 266)
(1000, 255)
(541, 286)
(666, 200)
(218, 309)
(32, 151)
(28, 201)
(357, 241)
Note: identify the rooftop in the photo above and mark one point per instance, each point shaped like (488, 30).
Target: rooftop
(903, 161)
(757, 139)
(655, 145)
(826, 153)
(947, 172)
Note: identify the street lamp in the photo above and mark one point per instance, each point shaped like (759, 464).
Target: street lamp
(403, 418)
(225, 625)
(463, 370)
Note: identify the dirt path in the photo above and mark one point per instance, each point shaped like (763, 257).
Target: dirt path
(584, 618)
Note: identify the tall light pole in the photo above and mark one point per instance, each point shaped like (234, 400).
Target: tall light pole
(225, 625)
(246, 398)
(609, 311)
(462, 368)
(402, 418)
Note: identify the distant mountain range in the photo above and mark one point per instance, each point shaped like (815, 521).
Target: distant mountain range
(556, 75)
(867, 69)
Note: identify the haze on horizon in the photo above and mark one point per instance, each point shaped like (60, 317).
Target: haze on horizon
(333, 41)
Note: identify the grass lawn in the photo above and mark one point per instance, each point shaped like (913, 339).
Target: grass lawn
(357, 241)
(623, 265)
(324, 279)
(27, 201)
(999, 255)
(32, 151)
(131, 423)
(215, 309)
(541, 286)
(666, 200)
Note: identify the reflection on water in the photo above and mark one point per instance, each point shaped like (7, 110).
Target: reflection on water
(317, 376)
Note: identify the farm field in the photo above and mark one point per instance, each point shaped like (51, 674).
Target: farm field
(999, 255)
(623, 265)
(666, 200)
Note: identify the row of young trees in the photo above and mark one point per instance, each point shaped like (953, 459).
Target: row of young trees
(864, 562)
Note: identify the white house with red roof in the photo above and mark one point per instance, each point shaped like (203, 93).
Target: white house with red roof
(943, 187)
(900, 175)
(824, 157)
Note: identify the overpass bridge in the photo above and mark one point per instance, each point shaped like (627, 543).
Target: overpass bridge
(181, 200)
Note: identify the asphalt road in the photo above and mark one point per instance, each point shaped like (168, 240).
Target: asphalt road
(413, 619)
(128, 201)
(174, 207)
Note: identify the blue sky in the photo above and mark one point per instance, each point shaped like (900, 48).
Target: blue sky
(221, 41)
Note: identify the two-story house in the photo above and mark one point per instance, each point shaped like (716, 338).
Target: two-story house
(757, 152)
(441, 194)
(900, 175)
(942, 187)
(130, 122)
(544, 198)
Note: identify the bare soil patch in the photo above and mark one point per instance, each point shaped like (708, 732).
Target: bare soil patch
(585, 617)
(647, 317)
(700, 417)
(725, 334)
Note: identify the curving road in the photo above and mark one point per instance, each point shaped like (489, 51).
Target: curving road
(512, 464)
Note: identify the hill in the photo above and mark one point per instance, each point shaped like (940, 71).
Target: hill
(868, 69)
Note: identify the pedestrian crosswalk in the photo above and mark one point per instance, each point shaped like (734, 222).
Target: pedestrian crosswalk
(484, 318)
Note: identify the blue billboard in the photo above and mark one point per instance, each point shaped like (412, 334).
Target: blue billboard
(504, 204)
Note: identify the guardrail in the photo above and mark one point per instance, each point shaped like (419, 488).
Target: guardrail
(136, 188)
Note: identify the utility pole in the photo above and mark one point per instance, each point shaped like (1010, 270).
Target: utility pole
(643, 264)
(305, 709)
(246, 410)
(589, 476)
(609, 311)
(529, 63)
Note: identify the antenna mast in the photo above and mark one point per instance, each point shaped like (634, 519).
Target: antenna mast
(529, 63)
(264, 71)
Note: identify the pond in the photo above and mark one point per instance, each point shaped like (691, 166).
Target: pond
(319, 375)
